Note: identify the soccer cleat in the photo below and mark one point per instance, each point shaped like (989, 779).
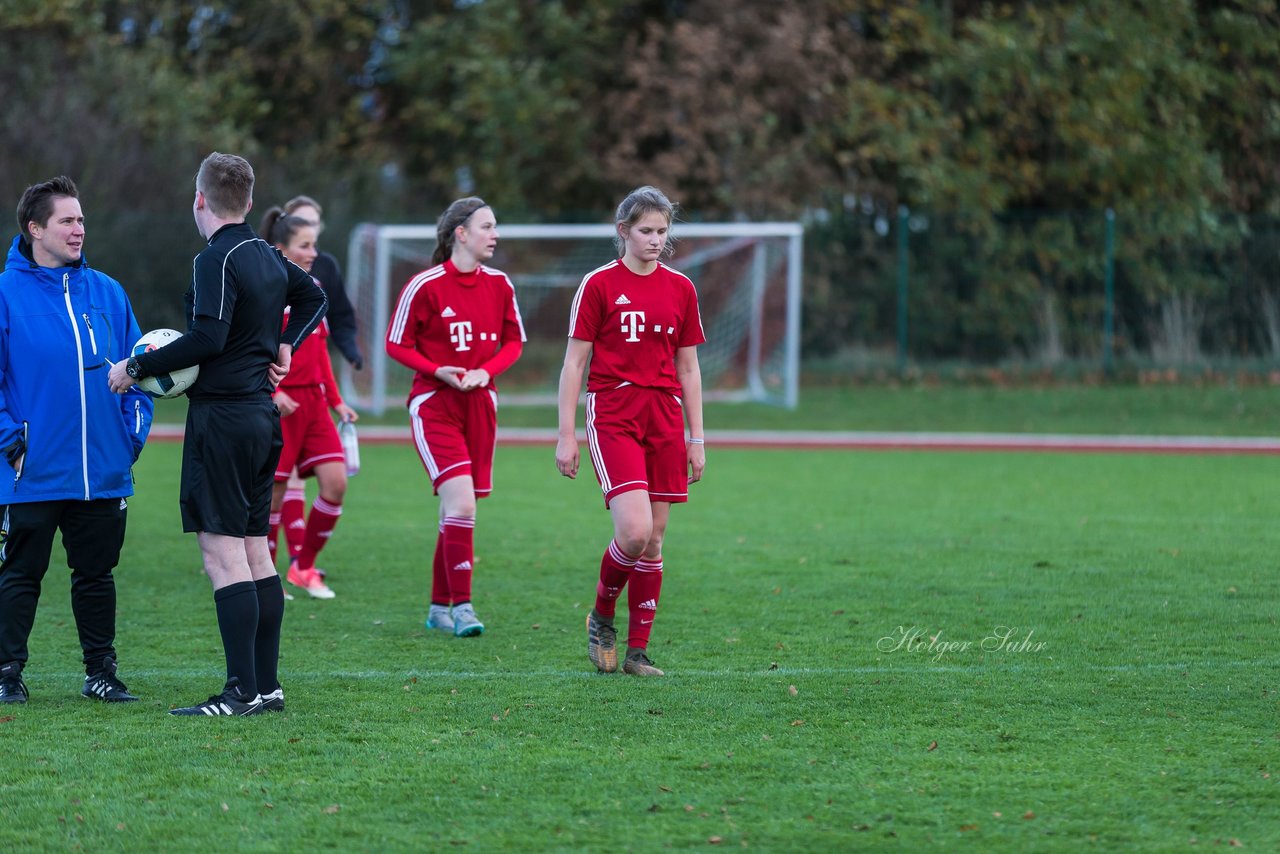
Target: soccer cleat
(638, 664)
(309, 581)
(438, 617)
(232, 702)
(465, 622)
(602, 643)
(12, 688)
(273, 702)
(103, 685)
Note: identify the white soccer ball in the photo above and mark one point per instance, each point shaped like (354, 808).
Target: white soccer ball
(164, 385)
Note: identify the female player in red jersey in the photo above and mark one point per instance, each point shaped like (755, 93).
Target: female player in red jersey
(304, 397)
(341, 323)
(457, 325)
(636, 321)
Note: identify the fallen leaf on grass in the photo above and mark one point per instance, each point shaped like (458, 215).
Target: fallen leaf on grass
(331, 809)
(1235, 843)
(688, 807)
(6, 719)
(933, 745)
(120, 826)
(715, 840)
(791, 689)
(664, 788)
(1028, 815)
(536, 626)
(996, 814)
(797, 723)
(294, 740)
(225, 808)
(966, 827)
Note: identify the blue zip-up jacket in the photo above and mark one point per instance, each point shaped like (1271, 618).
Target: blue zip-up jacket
(58, 328)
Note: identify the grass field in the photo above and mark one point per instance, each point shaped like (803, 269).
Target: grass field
(1201, 410)
(1117, 689)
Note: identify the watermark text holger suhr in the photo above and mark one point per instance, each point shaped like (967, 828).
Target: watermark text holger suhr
(1000, 640)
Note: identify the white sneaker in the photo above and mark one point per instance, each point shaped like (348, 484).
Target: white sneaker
(438, 618)
(465, 622)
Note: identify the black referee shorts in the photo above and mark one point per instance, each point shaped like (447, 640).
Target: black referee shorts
(229, 461)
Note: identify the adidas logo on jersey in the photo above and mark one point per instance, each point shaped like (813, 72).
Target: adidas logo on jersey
(448, 312)
(622, 300)
(649, 605)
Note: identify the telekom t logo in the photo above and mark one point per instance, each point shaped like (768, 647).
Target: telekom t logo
(632, 322)
(460, 335)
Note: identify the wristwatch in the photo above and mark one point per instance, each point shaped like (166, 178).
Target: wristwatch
(133, 369)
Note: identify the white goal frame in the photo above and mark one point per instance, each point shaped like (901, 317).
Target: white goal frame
(377, 275)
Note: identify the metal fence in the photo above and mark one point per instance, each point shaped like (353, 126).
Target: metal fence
(1099, 289)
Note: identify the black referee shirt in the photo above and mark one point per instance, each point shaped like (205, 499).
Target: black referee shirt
(244, 282)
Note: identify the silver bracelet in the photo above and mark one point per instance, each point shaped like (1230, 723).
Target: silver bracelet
(697, 441)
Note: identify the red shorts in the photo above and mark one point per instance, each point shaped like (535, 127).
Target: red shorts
(309, 435)
(455, 433)
(636, 439)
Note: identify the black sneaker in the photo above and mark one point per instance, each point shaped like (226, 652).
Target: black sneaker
(12, 688)
(103, 685)
(638, 664)
(232, 702)
(602, 643)
(273, 702)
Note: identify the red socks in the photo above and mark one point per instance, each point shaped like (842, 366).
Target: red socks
(615, 569)
(642, 601)
(457, 534)
(273, 536)
(439, 578)
(321, 520)
(292, 518)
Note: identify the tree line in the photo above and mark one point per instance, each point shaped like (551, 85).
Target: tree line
(836, 112)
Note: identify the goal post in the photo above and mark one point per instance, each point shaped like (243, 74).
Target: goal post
(748, 277)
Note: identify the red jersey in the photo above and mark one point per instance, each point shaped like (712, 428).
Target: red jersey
(459, 319)
(635, 324)
(310, 365)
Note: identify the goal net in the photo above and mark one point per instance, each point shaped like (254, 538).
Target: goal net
(747, 276)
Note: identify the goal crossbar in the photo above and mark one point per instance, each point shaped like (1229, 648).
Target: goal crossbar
(369, 283)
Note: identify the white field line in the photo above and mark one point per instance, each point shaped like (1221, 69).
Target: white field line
(870, 440)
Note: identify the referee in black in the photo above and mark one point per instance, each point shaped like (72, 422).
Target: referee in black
(235, 309)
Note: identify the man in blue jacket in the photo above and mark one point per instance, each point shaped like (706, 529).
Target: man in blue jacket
(69, 441)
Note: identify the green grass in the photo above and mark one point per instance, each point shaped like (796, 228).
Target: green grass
(1197, 410)
(1147, 720)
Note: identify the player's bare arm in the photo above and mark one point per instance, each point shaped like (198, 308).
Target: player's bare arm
(576, 356)
(689, 373)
